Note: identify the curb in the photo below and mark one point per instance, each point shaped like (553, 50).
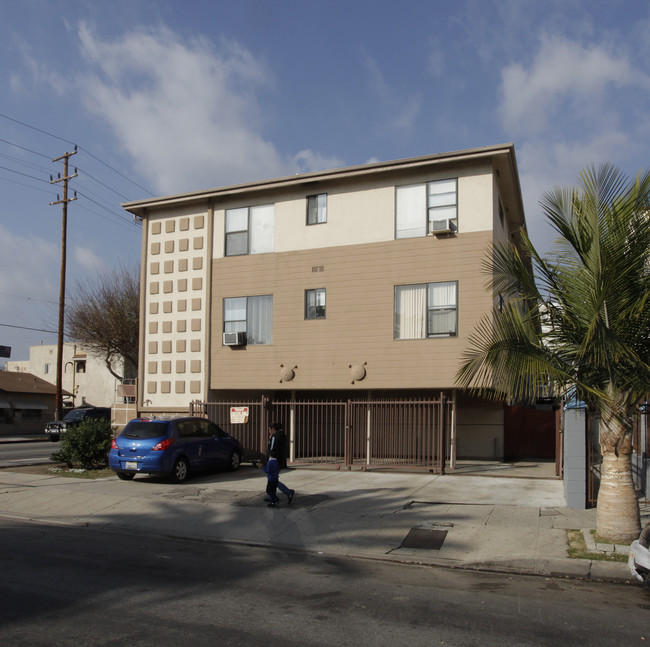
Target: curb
(570, 569)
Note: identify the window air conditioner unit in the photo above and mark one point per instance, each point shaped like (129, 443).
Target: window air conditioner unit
(444, 226)
(234, 339)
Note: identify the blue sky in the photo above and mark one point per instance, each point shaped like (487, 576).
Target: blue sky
(169, 96)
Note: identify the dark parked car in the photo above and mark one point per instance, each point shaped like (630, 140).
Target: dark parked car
(174, 447)
(57, 428)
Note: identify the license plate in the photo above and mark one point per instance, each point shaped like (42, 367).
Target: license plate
(131, 465)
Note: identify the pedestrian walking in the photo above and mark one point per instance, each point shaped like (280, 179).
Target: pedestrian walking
(273, 482)
(278, 442)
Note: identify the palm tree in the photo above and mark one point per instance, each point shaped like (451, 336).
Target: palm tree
(578, 318)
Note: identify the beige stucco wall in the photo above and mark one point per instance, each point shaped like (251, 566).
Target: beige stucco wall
(362, 213)
(479, 429)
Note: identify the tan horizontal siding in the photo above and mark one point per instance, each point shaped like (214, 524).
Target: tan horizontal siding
(360, 281)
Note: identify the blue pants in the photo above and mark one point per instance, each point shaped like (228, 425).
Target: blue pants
(273, 483)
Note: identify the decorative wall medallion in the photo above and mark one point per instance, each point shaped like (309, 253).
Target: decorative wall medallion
(287, 373)
(358, 372)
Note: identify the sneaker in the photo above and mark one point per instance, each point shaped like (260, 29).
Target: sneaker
(290, 497)
(272, 504)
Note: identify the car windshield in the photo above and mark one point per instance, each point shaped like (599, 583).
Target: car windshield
(143, 429)
(74, 415)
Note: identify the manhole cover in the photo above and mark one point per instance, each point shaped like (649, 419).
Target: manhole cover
(424, 538)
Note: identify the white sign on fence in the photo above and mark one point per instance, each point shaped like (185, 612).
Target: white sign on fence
(238, 415)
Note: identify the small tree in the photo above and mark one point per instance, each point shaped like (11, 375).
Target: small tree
(103, 316)
(85, 445)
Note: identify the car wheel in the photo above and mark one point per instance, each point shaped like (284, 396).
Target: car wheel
(181, 470)
(235, 460)
(125, 476)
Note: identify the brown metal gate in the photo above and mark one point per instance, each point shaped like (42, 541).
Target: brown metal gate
(530, 433)
(364, 434)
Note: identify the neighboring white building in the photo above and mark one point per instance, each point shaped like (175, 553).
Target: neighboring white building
(85, 376)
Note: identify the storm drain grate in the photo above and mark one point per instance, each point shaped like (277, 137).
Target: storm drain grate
(424, 538)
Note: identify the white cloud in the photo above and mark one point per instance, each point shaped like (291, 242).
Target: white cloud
(566, 79)
(546, 164)
(571, 107)
(29, 289)
(27, 264)
(401, 110)
(89, 260)
(307, 160)
(187, 115)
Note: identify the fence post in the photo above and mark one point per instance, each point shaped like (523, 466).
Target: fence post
(441, 434)
(262, 431)
(292, 428)
(347, 440)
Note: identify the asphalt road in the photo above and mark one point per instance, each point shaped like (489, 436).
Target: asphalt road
(81, 586)
(26, 453)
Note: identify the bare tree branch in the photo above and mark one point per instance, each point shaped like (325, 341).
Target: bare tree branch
(103, 316)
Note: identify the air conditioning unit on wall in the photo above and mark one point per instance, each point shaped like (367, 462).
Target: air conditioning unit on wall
(444, 226)
(234, 339)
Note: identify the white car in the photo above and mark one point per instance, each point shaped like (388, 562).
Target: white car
(639, 560)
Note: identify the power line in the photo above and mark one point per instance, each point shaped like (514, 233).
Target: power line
(44, 132)
(115, 170)
(86, 174)
(35, 167)
(29, 186)
(18, 296)
(67, 141)
(29, 150)
(31, 177)
(26, 328)
(114, 213)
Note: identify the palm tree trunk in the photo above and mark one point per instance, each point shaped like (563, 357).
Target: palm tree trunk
(617, 515)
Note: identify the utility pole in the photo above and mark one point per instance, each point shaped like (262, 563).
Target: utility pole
(58, 406)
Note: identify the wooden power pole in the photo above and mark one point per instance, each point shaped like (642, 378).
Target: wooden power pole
(58, 406)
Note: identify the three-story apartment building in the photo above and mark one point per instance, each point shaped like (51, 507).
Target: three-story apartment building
(361, 282)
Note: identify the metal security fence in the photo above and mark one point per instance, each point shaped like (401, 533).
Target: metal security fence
(641, 451)
(398, 434)
(251, 433)
(366, 434)
(316, 430)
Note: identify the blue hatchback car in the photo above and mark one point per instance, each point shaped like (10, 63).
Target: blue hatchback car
(173, 447)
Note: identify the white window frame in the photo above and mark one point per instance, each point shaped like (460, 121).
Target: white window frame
(251, 315)
(418, 205)
(317, 209)
(254, 226)
(419, 306)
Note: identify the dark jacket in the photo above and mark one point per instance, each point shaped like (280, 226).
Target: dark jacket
(278, 448)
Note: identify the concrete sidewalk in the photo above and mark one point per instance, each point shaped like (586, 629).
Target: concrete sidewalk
(514, 525)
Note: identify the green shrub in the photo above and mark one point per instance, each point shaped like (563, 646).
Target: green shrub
(85, 445)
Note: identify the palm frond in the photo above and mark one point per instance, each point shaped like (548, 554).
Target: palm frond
(580, 314)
